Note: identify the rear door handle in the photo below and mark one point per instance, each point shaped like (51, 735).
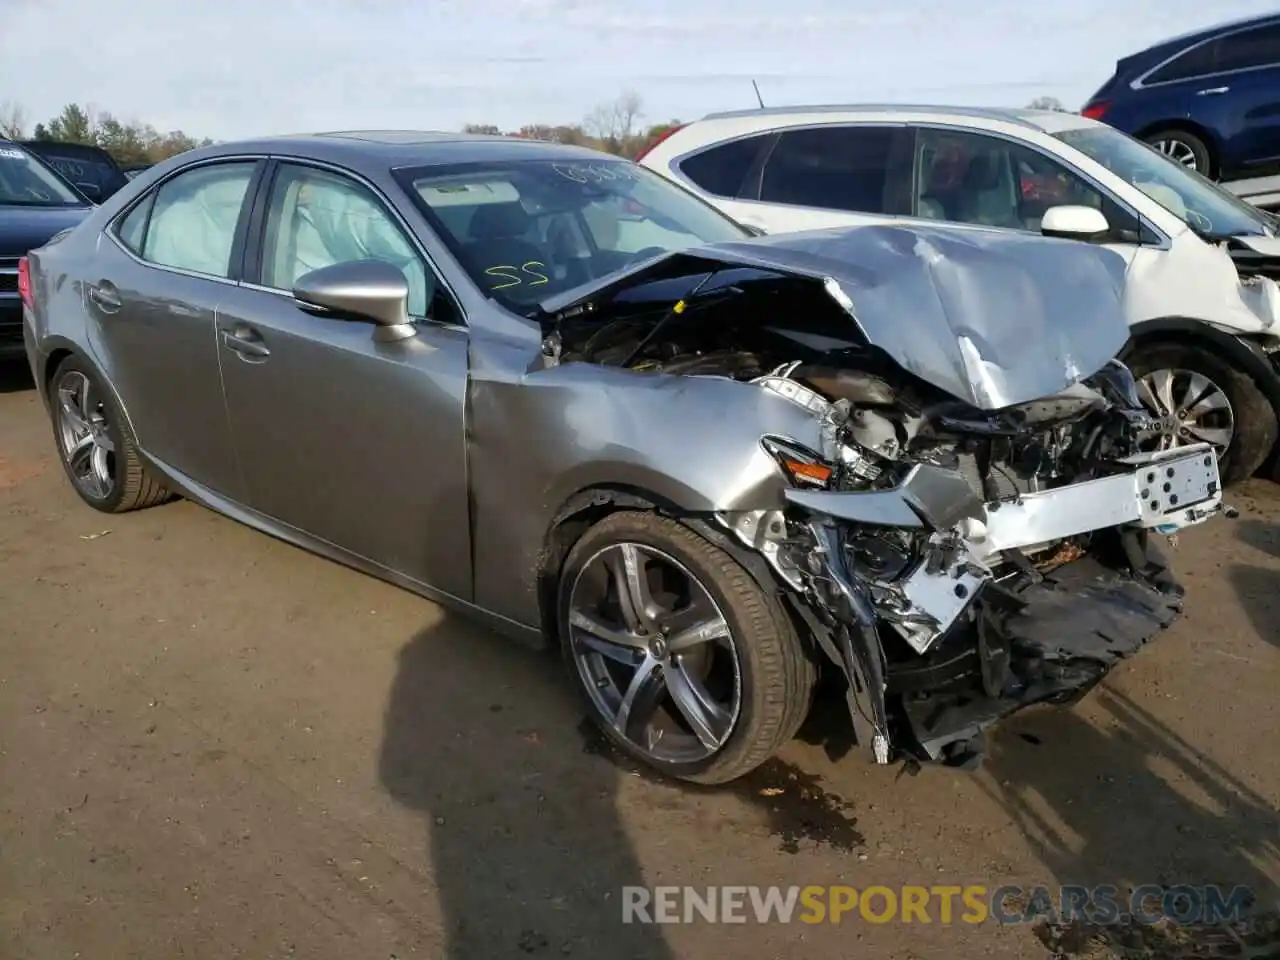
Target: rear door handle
(247, 342)
(105, 295)
(1211, 91)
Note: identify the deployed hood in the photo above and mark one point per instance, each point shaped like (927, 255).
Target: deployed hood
(994, 318)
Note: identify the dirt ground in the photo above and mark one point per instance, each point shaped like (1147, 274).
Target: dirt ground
(215, 745)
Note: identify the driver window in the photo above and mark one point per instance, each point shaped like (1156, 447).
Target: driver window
(988, 181)
(316, 219)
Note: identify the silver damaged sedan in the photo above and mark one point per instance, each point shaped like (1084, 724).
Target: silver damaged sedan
(550, 388)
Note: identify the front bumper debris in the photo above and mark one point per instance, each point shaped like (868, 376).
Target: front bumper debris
(1072, 628)
(1164, 491)
(1046, 635)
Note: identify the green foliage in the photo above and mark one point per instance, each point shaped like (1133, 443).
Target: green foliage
(127, 142)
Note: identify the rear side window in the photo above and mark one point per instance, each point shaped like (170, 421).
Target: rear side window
(838, 168)
(723, 169)
(133, 228)
(1243, 50)
(1259, 47)
(190, 221)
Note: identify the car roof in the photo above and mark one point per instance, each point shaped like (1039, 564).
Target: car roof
(1204, 33)
(1046, 121)
(381, 150)
(67, 147)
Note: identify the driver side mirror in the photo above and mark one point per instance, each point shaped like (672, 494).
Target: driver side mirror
(1072, 222)
(371, 291)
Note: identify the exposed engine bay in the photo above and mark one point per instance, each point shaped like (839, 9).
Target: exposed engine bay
(955, 562)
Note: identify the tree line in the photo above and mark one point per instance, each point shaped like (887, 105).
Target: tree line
(617, 127)
(127, 142)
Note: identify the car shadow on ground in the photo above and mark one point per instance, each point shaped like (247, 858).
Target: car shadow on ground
(15, 376)
(1258, 588)
(1125, 800)
(527, 849)
(519, 793)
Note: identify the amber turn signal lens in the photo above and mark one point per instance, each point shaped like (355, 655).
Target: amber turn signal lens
(817, 474)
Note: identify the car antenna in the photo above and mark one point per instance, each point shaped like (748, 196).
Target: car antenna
(759, 99)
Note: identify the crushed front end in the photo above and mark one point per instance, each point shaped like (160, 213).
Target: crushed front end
(959, 564)
(972, 527)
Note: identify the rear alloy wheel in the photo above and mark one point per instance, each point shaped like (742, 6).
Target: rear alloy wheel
(684, 662)
(1184, 148)
(95, 444)
(1200, 398)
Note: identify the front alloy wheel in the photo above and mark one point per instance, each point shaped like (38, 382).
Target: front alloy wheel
(1200, 397)
(655, 653)
(1191, 407)
(683, 660)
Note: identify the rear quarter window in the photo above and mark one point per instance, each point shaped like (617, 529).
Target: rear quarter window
(838, 168)
(723, 169)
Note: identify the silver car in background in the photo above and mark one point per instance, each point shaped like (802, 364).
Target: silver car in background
(551, 388)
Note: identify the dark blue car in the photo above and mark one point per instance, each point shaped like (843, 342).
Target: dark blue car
(1210, 100)
(35, 205)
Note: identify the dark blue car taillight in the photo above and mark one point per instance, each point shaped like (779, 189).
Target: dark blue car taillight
(1096, 110)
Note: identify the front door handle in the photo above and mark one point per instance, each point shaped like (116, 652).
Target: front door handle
(247, 342)
(1211, 91)
(105, 295)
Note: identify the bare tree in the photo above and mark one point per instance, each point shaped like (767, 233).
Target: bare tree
(614, 124)
(1047, 103)
(13, 120)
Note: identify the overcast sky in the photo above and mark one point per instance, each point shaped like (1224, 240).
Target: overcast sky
(236, 68)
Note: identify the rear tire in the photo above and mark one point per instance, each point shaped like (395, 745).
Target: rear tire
(1184, 148)
(95, 444)
(775, 675)
(1254, 427)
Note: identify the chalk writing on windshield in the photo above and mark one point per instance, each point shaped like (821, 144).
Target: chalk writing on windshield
(68, 168)
(596, 172)
(513, 276)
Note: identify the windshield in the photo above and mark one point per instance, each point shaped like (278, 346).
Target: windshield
(25, 181)
(81, 166)
(1202, 205)
(528, 229)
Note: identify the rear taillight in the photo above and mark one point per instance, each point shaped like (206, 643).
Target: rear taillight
(24, 281)
(1096, 110)
(644, 152)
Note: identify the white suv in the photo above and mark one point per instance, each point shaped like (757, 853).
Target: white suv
(1203, 305)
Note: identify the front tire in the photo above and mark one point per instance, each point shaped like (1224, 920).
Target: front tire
(682, 659)
(1203, 398)
(98, 451)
